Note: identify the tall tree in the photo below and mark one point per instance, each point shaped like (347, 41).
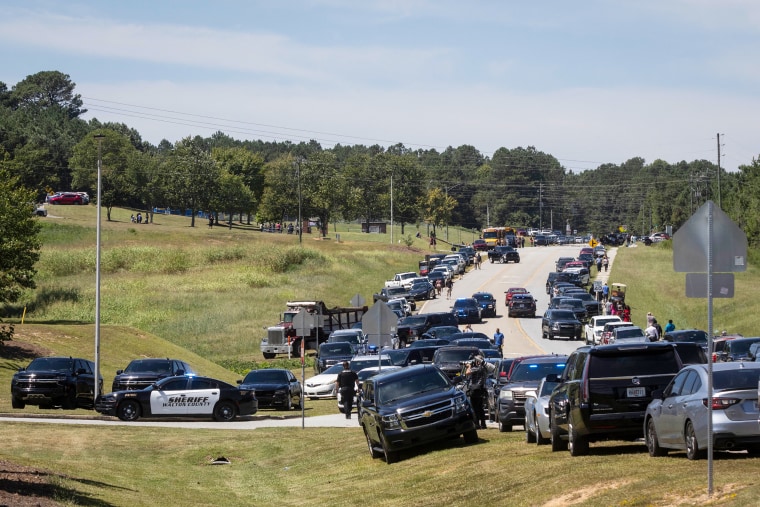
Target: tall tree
(116, 155)
(191, 177)
(20, 247)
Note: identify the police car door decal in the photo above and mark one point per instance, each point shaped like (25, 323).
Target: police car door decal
(202, 398)
(171, 400)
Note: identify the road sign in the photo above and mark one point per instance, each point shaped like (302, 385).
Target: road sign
(379, 325)
(357, 301)
(593, 243)
(722, 285)
(692, 242)
(303, 322)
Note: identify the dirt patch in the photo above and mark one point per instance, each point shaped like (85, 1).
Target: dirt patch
(581, 495)
(25, 486)
(19, 350)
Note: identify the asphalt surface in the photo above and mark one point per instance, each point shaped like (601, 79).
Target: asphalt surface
(522, 337)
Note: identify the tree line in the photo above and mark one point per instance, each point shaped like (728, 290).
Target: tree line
(46, 146)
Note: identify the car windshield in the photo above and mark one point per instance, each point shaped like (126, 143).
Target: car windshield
(265, 377)
(392, 291)
(407, 386)
(360, 364)
(465, 303)
(630, 334)
(527, 371)
(149, 365)
(334, 369)
(602, 322)
(335, 349)
(695, 336)
(741, 347)
(454, 355)
(50, 364)
(571, 303)
(413, 320)
(633, 362)
(547, 388)
(562, 315)
(739, 379)
(484, 297)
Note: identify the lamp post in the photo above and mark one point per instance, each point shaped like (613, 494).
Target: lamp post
(99, 138)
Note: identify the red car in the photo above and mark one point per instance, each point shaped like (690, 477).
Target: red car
(66, 198)
(480, 244)
(512, 291)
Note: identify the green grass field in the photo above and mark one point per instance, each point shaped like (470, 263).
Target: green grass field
(207, 294)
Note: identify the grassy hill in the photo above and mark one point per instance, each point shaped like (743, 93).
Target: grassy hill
(206, 295)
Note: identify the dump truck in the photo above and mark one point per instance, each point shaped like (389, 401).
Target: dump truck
(285, 339)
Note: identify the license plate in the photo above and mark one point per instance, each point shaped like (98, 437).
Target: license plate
(636, 392)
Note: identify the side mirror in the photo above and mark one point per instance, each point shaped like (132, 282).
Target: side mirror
(553, 377)
(658, 394)
(367, 403)
(119, 372)
(180, 373)
(81, 371)
(239, 381)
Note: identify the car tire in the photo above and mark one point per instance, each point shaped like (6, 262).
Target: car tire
(577, 445)
(17, 402)
(557, 443)
(288, 404)
(540, 439)
(69, 402)
(530, 437)
(692, 446)
(269, 355)
(224, 411)
(470, 437)
(390, 456)
(504, 427)
(373, 452)
(128, 410)
(653, 445)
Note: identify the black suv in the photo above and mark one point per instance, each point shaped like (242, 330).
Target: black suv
(504, 254)
(140, 373)
(411, 328)
(525, 376)
(413, 406)
(604, 391)
(67, 382)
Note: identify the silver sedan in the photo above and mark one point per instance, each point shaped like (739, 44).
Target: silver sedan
(677, 417)
(537, 413)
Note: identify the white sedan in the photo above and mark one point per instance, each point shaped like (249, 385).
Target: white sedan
(323, 385)
(595, 326)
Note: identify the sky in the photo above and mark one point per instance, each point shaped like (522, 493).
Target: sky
(590, 82)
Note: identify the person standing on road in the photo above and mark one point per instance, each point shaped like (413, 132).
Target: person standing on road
(476, 376)
(348, 383)
(498, 340)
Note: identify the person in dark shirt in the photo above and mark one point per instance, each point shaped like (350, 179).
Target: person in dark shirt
(476, 375)
(348, 382)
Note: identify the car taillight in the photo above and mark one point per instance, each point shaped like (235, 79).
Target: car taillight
(721, 403)
(584, 392)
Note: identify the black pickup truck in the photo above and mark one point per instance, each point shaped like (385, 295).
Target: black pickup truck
(504, 254)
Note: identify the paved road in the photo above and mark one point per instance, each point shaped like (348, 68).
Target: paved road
(522, 336)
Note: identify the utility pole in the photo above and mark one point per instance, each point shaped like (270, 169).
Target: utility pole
(99, 137)
(391, 208)
(719, 206)
(540, 207)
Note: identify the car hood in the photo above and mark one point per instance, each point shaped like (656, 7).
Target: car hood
(442, 394)
(323, 378)
(521, 386)
(264, 386)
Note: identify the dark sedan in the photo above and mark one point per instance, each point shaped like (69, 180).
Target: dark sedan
(421, 290)
(557, 323)
(273, 387)
(186, 396)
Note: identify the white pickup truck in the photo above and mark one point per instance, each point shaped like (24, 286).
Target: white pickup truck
(402, 280)
(595, 327)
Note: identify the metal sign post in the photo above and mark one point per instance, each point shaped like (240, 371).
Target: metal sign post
(709, 247)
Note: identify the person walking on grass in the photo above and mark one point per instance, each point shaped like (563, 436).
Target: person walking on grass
(348, 383)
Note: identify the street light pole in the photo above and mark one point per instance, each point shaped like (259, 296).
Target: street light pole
(300, 220)
(99, 138)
